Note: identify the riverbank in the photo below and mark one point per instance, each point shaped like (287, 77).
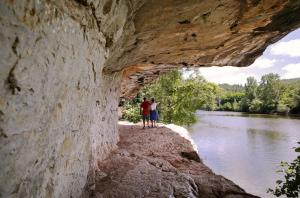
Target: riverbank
(283, 115)
(158, 162)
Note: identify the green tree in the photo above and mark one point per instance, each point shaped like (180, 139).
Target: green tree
(227, 106)
(255, 106)
(180, 98)
(251, 88)
(131, 112)
(270, 90)
(230, 101)
(287, 96)
(235, 106)
(296, 102)
(250, 93)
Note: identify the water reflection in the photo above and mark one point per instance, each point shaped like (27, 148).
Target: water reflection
(253, 115)
(268, 135)
(246, 148)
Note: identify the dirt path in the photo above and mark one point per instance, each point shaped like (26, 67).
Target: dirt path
(158, 163)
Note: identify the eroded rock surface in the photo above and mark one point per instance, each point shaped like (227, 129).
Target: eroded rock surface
(64, 65)
(58, 110)
(171, 34)
(158, 163)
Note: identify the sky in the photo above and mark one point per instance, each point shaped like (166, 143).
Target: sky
(282, 58)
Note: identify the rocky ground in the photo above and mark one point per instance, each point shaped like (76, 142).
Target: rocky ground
(158, 162)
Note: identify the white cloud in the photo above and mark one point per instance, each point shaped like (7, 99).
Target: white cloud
(289, 48)
(263, 63)
(227, 74)
(291, 71)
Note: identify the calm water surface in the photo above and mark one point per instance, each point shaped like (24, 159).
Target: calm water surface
(246, 149)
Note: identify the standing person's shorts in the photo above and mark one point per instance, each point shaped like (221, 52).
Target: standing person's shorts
(153, 115)
(145, 117)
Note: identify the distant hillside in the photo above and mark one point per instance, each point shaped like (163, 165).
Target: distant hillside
(232, 88)
(240, 88)
(292, 81)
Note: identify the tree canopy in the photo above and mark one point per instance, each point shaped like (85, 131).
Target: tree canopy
(179, 98)
(270, 95)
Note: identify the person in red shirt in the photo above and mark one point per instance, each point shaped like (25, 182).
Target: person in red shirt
(145, 111)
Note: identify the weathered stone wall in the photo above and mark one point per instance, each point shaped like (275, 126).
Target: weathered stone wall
(62, 63)
(58, 110)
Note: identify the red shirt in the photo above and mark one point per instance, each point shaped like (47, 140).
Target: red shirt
(146, 108)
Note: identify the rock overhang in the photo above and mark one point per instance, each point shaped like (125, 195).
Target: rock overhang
(171, 34)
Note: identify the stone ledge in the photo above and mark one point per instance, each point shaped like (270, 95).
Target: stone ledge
(158, 162)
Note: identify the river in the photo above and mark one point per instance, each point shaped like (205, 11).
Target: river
(246, 148)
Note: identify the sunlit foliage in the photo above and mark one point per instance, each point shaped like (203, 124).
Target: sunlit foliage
(179, 98)
(290, 186)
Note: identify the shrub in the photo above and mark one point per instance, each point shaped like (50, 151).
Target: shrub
(131, 113)
(282, 108)
(255, 106)
(227, 106)
(291, 186)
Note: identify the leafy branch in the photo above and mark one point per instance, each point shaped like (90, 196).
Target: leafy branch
(291, 185)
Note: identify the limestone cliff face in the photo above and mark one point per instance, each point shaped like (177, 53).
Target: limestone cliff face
(64, 65)
(58, 110)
